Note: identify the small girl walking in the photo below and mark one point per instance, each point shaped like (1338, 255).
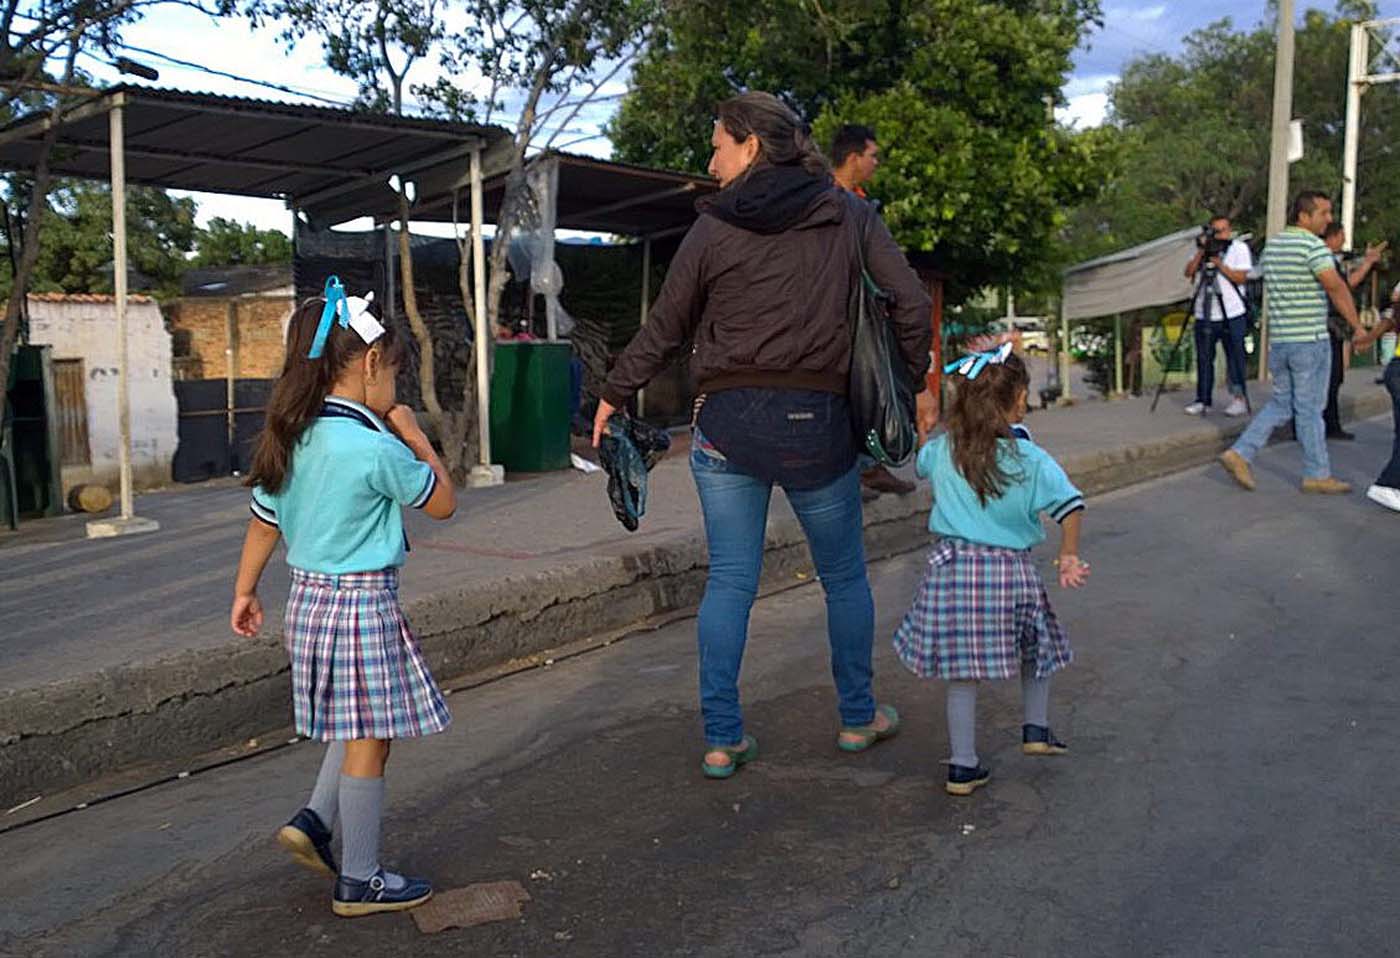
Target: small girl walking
(981, 611)
(335, 464)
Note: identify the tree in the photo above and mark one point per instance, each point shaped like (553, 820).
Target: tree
(38, 72)
(75, 246)
(227, 243)
(554, 55)
(973, 170)
(1193, 131)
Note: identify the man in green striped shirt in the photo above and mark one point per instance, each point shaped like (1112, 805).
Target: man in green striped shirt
(1300, 276)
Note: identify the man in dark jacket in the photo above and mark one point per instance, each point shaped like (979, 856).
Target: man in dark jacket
(855, 156)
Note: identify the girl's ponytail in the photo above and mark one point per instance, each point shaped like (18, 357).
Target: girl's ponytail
(300, 391)
(977, 422)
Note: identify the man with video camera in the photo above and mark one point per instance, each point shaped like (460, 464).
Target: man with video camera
(1221, 312)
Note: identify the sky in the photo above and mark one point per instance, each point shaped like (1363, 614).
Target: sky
(1130, 29)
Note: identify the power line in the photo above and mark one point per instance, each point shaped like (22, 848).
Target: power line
(282, 88)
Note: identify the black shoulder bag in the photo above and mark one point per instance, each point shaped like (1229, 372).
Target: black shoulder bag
(881, 390)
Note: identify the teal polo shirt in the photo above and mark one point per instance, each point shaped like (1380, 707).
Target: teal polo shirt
(340, 508)
(1011, 520)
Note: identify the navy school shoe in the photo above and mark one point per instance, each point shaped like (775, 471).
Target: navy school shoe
(309, 841)
(1040, 740)
(963, 780)
(354, 898)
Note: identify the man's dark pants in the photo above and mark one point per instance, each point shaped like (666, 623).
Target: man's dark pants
(1391, 476)
(1332, 415)
(1209, 332)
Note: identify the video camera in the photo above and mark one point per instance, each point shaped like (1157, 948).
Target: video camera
(1210, 244)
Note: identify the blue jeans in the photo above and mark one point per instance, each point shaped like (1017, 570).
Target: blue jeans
(1300, 372)
(1230, 332)
(735, 505)
(1390, 476)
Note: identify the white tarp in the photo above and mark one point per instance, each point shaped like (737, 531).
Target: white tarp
(1153, 274)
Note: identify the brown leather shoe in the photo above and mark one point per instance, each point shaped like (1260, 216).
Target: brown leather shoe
(882, 480)
(1327, 487)
(1238, 468)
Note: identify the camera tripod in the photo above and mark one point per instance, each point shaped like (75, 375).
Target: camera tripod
(1209, 296)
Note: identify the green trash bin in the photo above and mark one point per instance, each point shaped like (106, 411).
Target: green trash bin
(530, 406)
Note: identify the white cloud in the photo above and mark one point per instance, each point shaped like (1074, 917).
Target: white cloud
(1082, 112)
(1086, 101)
(1145, 13)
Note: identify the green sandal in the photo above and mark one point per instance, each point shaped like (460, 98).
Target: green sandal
(739, 754)
(869, 734)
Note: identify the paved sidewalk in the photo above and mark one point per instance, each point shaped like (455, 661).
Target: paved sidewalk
(119, 650)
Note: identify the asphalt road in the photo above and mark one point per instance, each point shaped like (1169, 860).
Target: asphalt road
(1230, 789)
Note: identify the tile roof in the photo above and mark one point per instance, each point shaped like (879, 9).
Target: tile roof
(85, 298)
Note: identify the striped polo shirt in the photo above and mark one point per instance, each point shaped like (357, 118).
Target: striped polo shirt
(1297, 303)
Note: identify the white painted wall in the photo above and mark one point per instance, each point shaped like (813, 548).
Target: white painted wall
(85, 327)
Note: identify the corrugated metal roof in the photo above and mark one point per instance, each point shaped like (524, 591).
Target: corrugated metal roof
(599, 195)
(332, 163)
(219, 281)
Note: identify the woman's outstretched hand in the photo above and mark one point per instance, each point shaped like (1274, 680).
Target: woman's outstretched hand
(600, 420)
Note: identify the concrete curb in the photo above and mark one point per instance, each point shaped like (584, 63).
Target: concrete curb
(62, 734)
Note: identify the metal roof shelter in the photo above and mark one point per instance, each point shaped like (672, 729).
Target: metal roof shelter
(601, 196)
(590, 194)
(332, 164)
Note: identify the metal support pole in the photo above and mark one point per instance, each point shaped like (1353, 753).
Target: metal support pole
(1118, 353)
(128, 522)
(1278, 154)
(1065, 395)
(230, 381)
(645, 309)
(119, 282)
(484, 474)
(1356, 69)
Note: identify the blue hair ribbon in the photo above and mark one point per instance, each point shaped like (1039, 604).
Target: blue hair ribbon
(971, 365)
(336, 308)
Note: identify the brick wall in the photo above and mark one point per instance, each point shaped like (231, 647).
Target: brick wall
(199, 326)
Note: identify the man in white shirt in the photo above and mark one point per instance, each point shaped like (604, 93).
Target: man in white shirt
(1221, 316)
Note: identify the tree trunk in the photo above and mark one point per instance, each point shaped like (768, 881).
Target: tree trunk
(427, 369)
(29, 248)
(470, 448)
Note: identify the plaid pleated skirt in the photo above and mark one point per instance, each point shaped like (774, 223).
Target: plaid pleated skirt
(357, 671)
(981, 613)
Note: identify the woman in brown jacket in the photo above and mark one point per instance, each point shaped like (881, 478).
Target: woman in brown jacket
(758, 290)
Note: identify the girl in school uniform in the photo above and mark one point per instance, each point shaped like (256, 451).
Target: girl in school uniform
(334, 467)
(981, 611)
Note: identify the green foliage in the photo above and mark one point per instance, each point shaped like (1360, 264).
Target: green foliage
(227, 243)
(75, 244)
(958, 92)
(1193, 133)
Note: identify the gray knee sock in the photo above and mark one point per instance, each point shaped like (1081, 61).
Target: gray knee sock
(361, 808)
(325, 797)
(962, 722)
(1035, 698)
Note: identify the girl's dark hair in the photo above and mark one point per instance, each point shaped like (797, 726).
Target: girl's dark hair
(978, 421)
(783, 139)
(303, 386)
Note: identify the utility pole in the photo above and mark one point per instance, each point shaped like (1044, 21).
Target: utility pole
(1359, 80)
(1278, 153)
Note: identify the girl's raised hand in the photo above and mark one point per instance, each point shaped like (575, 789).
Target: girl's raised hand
(1074, 572)
(247, 615)
(402, 420)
